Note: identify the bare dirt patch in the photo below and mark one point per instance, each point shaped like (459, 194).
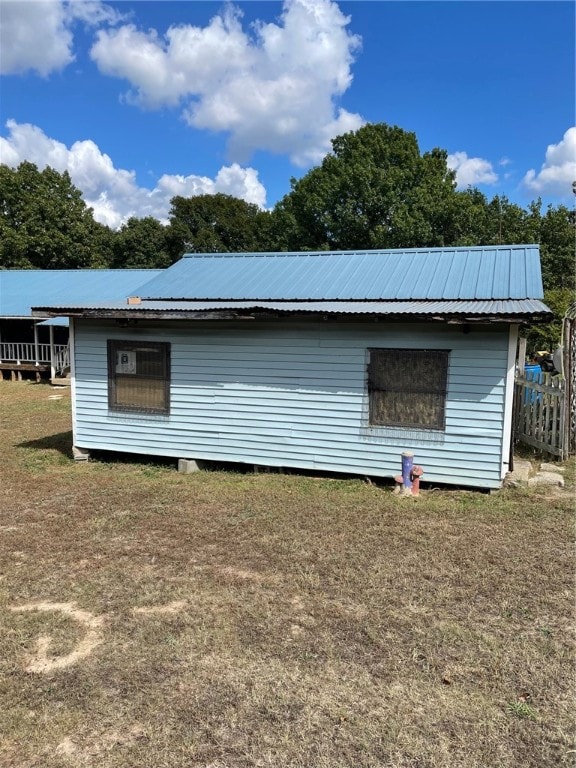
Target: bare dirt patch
(40, 661)
(176, 606)
(80, 752)
(280, 620)
(242, 574)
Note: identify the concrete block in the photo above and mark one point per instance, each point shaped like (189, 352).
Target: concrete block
(80, 454)
(547, 478)
(548, 467)
(187, 466)
(521, 473)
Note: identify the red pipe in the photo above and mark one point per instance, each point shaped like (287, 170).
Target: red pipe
(417, 473)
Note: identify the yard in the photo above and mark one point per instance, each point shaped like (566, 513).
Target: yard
(227, 620)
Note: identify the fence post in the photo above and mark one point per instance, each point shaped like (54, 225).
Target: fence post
(521, 356)
(36, 350)
(568, 364)
(52, 353)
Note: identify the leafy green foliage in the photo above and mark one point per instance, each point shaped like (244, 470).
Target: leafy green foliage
(141, 244)
(558, 240)
(374, 191)
(522, 710)
(549, 335)
(214, 224)
(477, 221)
(45, 223)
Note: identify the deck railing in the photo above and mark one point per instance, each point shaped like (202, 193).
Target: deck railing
(37, 354)
(61, 357)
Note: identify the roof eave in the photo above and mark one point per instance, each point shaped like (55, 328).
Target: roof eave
(262, 313)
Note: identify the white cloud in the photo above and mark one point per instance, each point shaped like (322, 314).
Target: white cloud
(273, 89)
(112, 192)
(37, 34)
(92, 12)
(471, 171)
(34, 36)
(558, 171)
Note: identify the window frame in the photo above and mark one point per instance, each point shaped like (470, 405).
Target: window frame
(439, 425)
(117, 345)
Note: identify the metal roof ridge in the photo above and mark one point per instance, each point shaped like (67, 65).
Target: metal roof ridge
(83, 270)
(340, 300)
(362, 252)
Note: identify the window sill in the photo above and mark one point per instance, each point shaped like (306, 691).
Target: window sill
(402, 435)
(137, 416)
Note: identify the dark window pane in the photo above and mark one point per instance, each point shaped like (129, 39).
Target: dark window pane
(133, 391)
(139, 376)
(407, 387)
(150, 362)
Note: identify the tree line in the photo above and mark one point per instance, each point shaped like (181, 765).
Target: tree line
(374, 190)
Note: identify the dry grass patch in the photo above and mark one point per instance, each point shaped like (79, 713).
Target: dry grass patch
(269, 620)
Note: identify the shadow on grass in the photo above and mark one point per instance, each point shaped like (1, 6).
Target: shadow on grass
(61, 442)
(210, 465)
(153, 463)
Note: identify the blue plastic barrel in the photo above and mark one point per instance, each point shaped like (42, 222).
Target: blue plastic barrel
(533, 372)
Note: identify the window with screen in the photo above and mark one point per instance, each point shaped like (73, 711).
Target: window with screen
(139, 376)
(407, 387)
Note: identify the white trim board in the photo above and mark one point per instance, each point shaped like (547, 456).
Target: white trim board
(509, 400)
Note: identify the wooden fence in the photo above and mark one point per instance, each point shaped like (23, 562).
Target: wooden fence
(545, 404)
(540, 414)
(569, 365)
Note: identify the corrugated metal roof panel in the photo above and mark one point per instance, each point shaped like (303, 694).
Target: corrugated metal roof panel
(488, 308)
(490, 272)
(485, 278)
(21, 289)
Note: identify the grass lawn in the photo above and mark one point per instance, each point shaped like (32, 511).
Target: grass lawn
(227, 620)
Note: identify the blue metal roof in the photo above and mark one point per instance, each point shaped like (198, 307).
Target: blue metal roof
(21, 289)
(496, 272)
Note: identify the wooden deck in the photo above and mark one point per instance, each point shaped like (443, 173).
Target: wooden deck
(16, 370)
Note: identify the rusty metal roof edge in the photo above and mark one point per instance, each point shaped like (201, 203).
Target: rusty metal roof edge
(456, 308)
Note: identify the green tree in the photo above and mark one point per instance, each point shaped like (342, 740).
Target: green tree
(102, 240)
(475, 220)
(547, 336)
(557, 237)
(478, 221)
(45, 223)
(141, 244)
(215, 224)
(375, 190)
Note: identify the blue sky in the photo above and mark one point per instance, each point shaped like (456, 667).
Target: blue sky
(140, 101)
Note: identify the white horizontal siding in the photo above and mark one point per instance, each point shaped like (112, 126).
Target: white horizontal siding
(289, 394)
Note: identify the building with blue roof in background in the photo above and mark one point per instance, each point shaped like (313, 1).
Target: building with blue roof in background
(32, 346)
